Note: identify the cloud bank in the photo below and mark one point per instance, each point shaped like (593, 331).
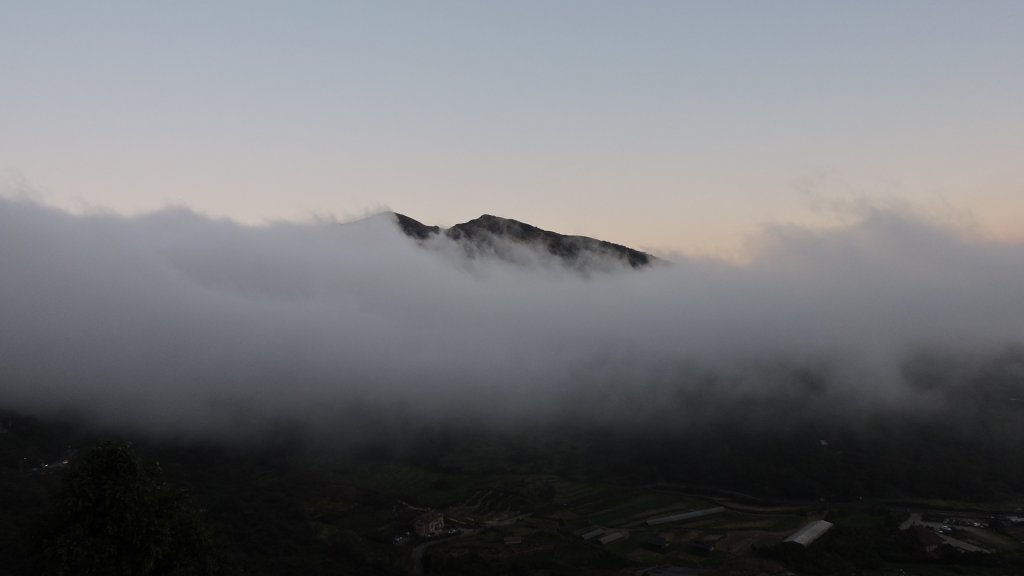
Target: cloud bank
(179, 323)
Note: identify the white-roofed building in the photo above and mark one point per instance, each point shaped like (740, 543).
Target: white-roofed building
(809, 533)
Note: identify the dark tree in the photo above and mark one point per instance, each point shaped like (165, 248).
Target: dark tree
(116, 516)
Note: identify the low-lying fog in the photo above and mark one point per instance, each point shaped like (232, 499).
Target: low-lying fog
(180, 323)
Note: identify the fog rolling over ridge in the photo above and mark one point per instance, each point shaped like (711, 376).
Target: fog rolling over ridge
(178, 323)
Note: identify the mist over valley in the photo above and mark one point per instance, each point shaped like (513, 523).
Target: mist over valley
(173, 323)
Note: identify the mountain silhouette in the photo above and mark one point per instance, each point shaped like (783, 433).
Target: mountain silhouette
(496, 236)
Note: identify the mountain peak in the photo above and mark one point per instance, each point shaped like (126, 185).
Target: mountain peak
(481, 235)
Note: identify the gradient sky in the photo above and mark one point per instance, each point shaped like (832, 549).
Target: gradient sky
(662, 125)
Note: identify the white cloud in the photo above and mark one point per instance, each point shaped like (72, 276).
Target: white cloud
(182, 323)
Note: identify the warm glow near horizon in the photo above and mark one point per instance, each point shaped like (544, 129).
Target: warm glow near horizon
(671, 127)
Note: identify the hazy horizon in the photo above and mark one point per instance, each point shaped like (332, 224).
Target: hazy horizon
(666, 126)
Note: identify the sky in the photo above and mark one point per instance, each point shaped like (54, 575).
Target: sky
(669, 126)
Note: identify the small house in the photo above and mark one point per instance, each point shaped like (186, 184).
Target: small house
(927, 542)
(428, 524)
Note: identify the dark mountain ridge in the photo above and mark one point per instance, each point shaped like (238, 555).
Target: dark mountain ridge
(485, 232)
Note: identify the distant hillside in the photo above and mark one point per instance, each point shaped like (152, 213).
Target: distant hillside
(486, 233)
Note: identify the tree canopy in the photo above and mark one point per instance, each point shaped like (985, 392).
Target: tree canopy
(115, 515)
